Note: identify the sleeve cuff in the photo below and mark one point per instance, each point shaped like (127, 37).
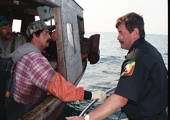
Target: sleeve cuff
(87, 95)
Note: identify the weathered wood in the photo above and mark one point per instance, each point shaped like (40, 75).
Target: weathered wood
(43, 110)
(59, 42)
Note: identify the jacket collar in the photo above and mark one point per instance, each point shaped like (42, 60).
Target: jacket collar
(135, 44)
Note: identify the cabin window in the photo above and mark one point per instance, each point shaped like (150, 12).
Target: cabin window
(16, 25)
(37, 18)
(70, 36)
(49, 22)
(53, 22)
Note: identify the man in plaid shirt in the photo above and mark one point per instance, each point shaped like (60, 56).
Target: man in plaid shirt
(34, 75)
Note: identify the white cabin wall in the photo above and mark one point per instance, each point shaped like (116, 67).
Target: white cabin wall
(69, 12)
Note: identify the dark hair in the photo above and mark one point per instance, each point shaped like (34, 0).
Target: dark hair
(131, 21)
(31, 36)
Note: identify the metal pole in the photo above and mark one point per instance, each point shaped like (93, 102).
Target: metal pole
(121, 114)
(87, 107)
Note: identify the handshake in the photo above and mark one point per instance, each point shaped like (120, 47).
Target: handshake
(98, 95)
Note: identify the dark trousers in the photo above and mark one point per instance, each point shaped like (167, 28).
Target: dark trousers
(16, 110)
(161, 116)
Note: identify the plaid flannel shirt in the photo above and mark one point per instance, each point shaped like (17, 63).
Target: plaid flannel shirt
(32, 75)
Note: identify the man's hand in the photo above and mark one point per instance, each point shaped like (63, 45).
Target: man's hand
(98, 95)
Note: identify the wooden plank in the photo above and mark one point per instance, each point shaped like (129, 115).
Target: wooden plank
(31, 11)
(43, 110)
(60, 42)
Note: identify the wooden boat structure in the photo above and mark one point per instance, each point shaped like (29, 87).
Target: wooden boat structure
(67, 16)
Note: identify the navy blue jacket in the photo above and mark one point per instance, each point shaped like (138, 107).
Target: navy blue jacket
(143, 81)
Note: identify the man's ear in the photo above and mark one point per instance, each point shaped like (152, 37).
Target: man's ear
(136, 33)
(34, 36)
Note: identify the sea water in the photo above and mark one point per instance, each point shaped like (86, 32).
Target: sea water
(105, 73)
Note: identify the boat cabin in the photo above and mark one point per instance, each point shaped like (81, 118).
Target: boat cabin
(70, 44)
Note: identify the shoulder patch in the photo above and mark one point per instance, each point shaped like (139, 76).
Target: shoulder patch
(128, 68)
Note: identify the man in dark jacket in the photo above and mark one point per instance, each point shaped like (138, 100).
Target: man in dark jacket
(142, 90)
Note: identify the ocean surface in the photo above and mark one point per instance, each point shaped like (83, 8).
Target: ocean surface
(105, 74)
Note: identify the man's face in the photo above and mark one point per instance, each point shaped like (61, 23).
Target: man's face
(44, 39)
(124, 37)
(6, 32)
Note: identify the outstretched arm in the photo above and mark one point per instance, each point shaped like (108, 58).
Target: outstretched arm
(64, 90)
(67, 92)
(111, 105)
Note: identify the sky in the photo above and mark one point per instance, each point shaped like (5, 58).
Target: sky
(101, 15)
